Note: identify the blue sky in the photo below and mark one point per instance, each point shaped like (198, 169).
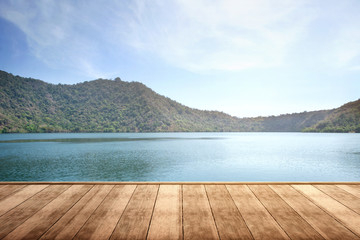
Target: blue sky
(246, 58)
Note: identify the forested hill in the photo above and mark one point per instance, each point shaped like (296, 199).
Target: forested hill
(29, 105)
(343, 119)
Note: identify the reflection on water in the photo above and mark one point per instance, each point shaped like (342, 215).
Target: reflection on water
(99, 139)
(180, 157)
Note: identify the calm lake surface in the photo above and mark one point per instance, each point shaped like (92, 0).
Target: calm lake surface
(180, 157)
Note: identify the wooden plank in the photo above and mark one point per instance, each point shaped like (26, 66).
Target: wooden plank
(166, 222)
(102, 222)
(18, 215)
(295, 226)
(7, 190)
(346, 216)
(353, 189)
(19, 197)
(135, 221)
(68, 226)
(198, 221)
(261, 224)
(37, 213)
(40, 222)
(342, 196)
(229, 222)
(326, 225)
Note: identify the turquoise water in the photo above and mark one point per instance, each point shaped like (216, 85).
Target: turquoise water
(180, 157)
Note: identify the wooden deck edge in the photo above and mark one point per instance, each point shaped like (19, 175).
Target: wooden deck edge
(181, 183)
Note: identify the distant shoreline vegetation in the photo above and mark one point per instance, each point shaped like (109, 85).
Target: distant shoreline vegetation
(33, 106)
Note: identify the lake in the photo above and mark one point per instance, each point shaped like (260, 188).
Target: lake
(180, 157)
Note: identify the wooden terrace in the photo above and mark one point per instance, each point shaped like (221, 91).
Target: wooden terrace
(179, 211)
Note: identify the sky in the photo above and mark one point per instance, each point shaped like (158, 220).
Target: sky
(246, 58)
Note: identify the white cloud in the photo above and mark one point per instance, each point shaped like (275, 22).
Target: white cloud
(355, 68)
(199, 36)
(54, 31)
(347, 47)
(223, 35)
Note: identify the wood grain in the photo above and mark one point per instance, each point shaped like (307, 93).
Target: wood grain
(295, 226)
(345, 215)
(166, 222)
(40, 222)
(102, 222)
(353, 189)
(322, 222)
(342, 196)
(179, 211)
(19, 197)
(229, 222)
(68, 226)
(7, 190)
(261, 224)
(134, 223)
(197, 216)
(15, 217)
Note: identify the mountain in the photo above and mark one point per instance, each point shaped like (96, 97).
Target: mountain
(30, 105)
(295, 122)
(343, 119)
